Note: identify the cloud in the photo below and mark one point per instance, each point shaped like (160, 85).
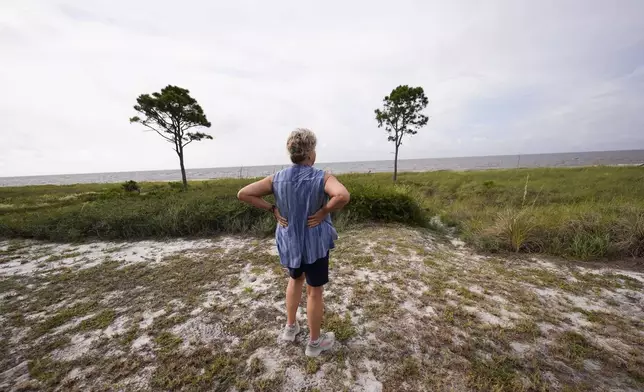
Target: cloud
(503, 77)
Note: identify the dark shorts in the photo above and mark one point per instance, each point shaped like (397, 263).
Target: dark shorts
(317, 274)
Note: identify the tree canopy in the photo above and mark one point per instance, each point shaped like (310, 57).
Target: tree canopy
(171, 113)
(402, 114)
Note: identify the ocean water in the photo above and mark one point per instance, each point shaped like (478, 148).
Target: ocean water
(631, 157)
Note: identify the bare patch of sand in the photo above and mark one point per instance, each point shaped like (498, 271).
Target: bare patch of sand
(79, 346)
(197, 330)
(141, 341)
(148, 318)
(117, 327)
(366, 381)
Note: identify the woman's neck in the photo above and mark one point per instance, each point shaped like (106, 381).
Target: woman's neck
(306, 162)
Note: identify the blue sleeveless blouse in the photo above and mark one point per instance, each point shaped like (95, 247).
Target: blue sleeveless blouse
(299, 193)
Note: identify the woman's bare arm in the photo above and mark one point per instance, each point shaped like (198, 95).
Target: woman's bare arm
(254, 194)
(337, 192)
(339, 197)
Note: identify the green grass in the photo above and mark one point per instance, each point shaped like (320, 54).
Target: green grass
(312, 366)
(128, 337)
(575, 347)
(581, 213)
(201, 370)
(497, 375)
(47, 371)
(63, 316)
(342, 327)
(167, 342)
(100, 321)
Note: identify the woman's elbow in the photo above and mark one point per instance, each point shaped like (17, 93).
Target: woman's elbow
(241, 195)
(346, 197)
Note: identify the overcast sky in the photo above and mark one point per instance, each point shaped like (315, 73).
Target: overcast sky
(503, 77)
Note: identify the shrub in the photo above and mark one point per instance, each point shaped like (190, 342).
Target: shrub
(372, 202)
(131, 187)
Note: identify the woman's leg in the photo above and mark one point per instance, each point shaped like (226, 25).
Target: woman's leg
(314, 311)
(293, 297)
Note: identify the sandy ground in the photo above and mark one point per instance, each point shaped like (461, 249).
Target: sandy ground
(412, 312)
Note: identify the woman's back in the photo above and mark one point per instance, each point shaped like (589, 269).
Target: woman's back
(305, 197)
(299, 193)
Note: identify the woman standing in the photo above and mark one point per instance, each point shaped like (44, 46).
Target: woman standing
(305, 197)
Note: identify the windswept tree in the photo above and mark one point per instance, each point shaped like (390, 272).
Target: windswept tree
(171, 114)
(401, 115)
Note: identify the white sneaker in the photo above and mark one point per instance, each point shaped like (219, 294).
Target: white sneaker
(290, 332)
(324, 343)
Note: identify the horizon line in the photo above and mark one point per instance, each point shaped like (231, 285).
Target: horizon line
(318, 164)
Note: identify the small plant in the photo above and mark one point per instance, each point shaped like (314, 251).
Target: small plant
(448, 315)
(131, 187)
(312, 366)
(514, 227)
(241, 384)
(256, 367)
(410, 368)
(587, 237)
(166, 342)
(342, 327)
(587, 246)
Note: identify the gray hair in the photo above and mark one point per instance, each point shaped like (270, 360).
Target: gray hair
(300, 144)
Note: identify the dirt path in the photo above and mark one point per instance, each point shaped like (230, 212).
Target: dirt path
(412, 313)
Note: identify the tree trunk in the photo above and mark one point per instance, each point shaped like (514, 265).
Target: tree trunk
(396, 164)
(183, 170)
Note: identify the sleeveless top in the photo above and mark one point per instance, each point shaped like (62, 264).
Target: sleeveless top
(299, 193)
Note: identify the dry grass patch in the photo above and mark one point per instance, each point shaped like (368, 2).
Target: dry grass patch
(498, 374)
(574, 348)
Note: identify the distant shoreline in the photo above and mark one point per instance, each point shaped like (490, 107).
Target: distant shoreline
(570, 159)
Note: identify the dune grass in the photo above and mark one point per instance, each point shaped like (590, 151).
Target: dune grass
(585, 213)
(582, 213)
